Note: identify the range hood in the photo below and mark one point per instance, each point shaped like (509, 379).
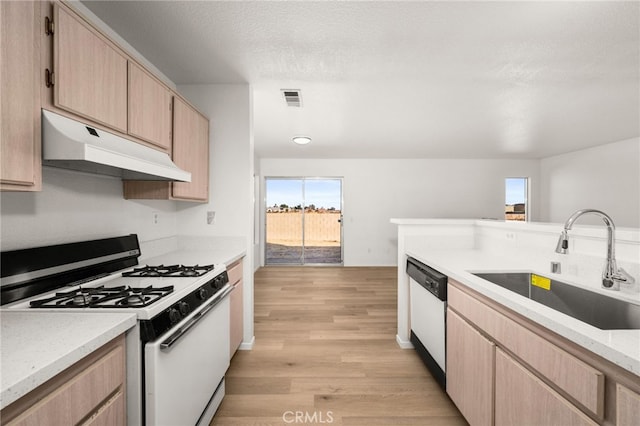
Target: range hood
(70, 144)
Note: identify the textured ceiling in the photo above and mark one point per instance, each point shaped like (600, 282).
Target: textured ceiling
(407, 79)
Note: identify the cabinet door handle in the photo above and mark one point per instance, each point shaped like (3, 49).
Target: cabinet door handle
(49, 77)
(48, 26)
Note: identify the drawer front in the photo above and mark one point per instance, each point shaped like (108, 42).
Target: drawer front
(78, 398)
(522, 398)
(111, 414)
(235, 271)
(579, 380)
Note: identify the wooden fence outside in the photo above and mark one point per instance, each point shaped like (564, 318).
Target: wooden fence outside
(320, 229)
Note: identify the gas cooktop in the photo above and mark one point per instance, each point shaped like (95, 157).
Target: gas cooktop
(101, 297)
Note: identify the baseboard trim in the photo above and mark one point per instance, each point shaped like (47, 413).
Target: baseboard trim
(247, 346)
(404, 344)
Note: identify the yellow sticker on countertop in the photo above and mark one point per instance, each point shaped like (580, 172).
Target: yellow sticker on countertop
(541, 282)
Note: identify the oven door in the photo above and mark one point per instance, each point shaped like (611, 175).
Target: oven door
(184, 367)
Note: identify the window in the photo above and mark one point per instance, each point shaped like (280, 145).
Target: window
(303, 222)
(515, 206)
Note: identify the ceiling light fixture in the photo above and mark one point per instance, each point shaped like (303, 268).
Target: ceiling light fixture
(301, 140)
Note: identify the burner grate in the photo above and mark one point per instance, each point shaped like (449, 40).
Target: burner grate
(169, 271)
(101, 297)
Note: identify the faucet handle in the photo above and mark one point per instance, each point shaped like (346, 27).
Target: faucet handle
(612, 281)
(623, 276)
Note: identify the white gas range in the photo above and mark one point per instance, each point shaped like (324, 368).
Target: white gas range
(178, 352)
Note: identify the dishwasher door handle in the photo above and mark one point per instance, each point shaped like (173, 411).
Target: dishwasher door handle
(175, 337)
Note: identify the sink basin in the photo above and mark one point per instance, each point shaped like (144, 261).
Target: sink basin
(605, 313)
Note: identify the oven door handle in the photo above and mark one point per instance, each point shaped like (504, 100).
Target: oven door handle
(173, 339)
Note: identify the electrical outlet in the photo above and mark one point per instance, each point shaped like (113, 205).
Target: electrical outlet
(211, 217)
(156, 218)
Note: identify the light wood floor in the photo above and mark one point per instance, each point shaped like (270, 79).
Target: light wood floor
(325, 351)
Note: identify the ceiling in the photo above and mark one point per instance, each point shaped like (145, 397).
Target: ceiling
(406, 79)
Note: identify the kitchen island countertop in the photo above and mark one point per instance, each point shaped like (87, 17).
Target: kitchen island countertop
(622, 347)
(35, 347)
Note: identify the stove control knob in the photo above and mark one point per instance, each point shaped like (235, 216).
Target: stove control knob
(215, 284)
(174, 315)
(219, 281)
(184, 308)
(202, 294)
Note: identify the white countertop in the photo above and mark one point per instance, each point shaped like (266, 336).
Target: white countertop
(202, 249)
(34, 347)
(622, 347)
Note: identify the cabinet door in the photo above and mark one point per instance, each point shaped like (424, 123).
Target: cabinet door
(470, 370)
(90, 74)
(149, 108)
(236, 320)
(627, 406)
(579, 380)
(20, 167)
(190, 151)
(522, 398)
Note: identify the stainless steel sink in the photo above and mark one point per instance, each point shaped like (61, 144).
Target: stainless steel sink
(605, 313)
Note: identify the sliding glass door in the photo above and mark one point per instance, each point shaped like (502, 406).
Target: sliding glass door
(303, 221)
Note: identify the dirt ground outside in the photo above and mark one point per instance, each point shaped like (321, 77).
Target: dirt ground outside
(280, 254)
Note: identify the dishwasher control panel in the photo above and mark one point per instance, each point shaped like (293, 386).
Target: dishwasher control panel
(433, 281)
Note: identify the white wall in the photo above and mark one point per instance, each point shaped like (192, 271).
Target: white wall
(75, 206)
(376, 190)
(605, 177)
(231, 158)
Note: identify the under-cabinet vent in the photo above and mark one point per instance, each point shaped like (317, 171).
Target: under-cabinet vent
(292, 97)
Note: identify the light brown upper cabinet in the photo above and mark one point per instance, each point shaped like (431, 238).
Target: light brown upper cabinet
(20, 168)
(191, 151)
(90, 74)
(149, 108)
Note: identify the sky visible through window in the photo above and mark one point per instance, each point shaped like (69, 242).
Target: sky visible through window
(515, 190)
(319, 192)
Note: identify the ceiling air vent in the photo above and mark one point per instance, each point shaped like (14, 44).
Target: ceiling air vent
(292, 97)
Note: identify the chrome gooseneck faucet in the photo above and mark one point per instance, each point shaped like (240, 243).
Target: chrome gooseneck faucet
(612, 276)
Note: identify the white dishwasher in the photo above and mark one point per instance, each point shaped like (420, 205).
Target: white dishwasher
(428, 295)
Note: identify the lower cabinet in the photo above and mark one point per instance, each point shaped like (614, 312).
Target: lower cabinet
(627, 406)
(92, 392)
(236, 322)
(503, 369)
(522, 398)
(470, 369)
